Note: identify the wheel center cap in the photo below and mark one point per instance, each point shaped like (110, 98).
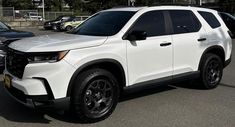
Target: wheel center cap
(98, 95)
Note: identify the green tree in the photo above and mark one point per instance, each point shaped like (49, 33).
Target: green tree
(94, 5)
(227, 6)
(18, 4)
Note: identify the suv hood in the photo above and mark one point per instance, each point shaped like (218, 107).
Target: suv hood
(57, 42)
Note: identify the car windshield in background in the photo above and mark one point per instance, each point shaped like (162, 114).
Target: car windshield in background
(106, 23)
(69, 18)
(59, 18)
(3, 27)
(33, 14)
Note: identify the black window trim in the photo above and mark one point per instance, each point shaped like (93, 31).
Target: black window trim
(167, 29)
(171, 23)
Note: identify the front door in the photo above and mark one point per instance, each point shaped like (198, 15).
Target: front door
(151, 58)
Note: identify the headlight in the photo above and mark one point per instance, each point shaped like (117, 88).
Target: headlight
(47, 57)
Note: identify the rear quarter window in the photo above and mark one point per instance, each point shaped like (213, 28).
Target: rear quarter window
(210, 19)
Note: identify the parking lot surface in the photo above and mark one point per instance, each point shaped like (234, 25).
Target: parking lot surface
(177, 105)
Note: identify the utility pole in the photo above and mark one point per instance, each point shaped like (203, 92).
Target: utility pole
(1, 8)
(200, 2)
(131, 3)
(43, 9)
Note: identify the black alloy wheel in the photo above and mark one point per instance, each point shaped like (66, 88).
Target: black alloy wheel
(211, 71)
(95, 95)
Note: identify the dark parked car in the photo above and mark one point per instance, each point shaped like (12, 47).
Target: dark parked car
(55, 24)
(229, 20)
(11, 35)
(8, 35)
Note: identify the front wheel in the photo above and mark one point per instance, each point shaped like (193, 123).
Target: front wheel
(68, 28)
(95, 95)
(211, 71)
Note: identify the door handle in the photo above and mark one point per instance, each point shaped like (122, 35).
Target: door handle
(201, 39)
(165, 44)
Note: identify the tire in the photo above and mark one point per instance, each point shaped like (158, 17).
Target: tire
(68, 28)
(211, 71)
(95, 95)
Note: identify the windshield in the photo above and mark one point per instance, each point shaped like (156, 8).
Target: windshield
(59, 18)
(3, 27)
(104, 23)
(71, 18)
(33, 14)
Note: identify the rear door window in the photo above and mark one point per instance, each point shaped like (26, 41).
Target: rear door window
(184, 21)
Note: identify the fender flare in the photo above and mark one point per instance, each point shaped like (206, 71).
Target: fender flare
(216, 47)
(94, 62)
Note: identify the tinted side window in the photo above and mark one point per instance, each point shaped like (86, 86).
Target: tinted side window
(184, 21)
(151, 22)
(210, 19)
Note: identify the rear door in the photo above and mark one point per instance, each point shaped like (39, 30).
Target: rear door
(189, 40)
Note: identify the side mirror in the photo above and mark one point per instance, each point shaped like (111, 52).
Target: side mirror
(137, 36)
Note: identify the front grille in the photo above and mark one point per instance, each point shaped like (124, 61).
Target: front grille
(16, 62)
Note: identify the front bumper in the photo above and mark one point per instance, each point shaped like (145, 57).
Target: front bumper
(47, 26)
(42, 84)
(62, 27)
(42, 99)
(38, 101)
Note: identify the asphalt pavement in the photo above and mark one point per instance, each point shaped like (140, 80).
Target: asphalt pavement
(178, 105)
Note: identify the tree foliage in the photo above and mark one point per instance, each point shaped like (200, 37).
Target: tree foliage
(96, 5)
(227, 6)
(18, 4)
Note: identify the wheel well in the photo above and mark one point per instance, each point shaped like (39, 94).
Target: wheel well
(217, 50)
(110, 65)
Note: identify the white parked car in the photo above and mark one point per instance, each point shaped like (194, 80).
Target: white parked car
(33, 16)
(117, 49)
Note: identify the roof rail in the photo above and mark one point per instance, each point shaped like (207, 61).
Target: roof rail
(169, 4)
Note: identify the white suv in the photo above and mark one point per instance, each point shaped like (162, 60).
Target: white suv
(86, 69)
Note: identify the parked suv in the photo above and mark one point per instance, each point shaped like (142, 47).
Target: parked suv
(117, 49)
(229, 20)
(33, 16)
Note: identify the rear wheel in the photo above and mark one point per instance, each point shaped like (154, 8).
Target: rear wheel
(95, 95)
(211, 71)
